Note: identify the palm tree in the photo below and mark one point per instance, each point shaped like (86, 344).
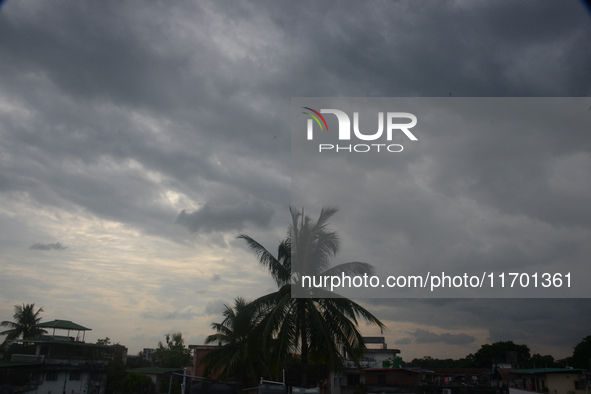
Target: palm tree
(319, 327)
(240, 355)
(25, 323)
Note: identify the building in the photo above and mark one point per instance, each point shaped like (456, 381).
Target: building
(393, 377)
(548, 380)
(60, 364)
(465, 377)
(148, 354)
(160, 377)
(198, 352)
(377, 355)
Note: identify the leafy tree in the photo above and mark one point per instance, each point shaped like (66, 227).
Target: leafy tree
(136, 383)
(25, 323)
(115, 375)
(137, 361)
(501, 352)
(174, 354)
(539, 361)
(106, 341)
(582, 354)
(320, 328)
(240, 356)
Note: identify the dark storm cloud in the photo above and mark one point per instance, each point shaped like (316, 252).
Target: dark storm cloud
(424, 336)
(87, 82)
(513, 198)
(146, 61)
(94, 55)
(534, 322)
(108, 106)
(54, 246)
(547, 183)
(223, 217)
(402, 49)
(232, 91)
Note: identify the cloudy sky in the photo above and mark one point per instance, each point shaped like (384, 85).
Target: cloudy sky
(138, 139)
(488, 184)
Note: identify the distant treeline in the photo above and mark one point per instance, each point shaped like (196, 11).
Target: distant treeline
(518, 356)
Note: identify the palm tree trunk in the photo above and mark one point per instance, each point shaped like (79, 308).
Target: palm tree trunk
(304, 338)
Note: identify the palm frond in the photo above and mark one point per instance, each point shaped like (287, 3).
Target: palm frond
(279, 270)
(353, 268)
(258, 337)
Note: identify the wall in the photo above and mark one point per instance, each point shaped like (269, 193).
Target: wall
(562, 383)
(392, 376)
(71, 386)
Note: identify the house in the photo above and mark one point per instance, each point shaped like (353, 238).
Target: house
(465, 377)
(393, 377)
(548, 380)
(199, 351)
(148, 354)
(376, 356)
(160, 377)
(58, 363)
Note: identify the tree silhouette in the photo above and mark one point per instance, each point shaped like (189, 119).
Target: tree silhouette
(500, 353)
(319, 328)
(582, 354)
(25, 323)
(241, 354)
(173, 354)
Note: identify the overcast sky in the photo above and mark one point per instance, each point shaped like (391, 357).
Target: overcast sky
(138, 139)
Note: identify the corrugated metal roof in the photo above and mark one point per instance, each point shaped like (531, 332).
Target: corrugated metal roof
(63, 325)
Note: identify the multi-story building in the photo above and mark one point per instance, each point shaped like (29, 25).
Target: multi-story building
(376, 355)
(60, 364)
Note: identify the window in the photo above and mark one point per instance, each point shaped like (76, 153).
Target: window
(75, 375)
(51, 376)
(382, 379)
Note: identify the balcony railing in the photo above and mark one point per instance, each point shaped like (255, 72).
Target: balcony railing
(26, 358)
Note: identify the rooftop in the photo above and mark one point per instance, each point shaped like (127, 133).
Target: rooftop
(400, 370)
(535, 371)
(154, 370)
(381, 350)
(63, 325)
